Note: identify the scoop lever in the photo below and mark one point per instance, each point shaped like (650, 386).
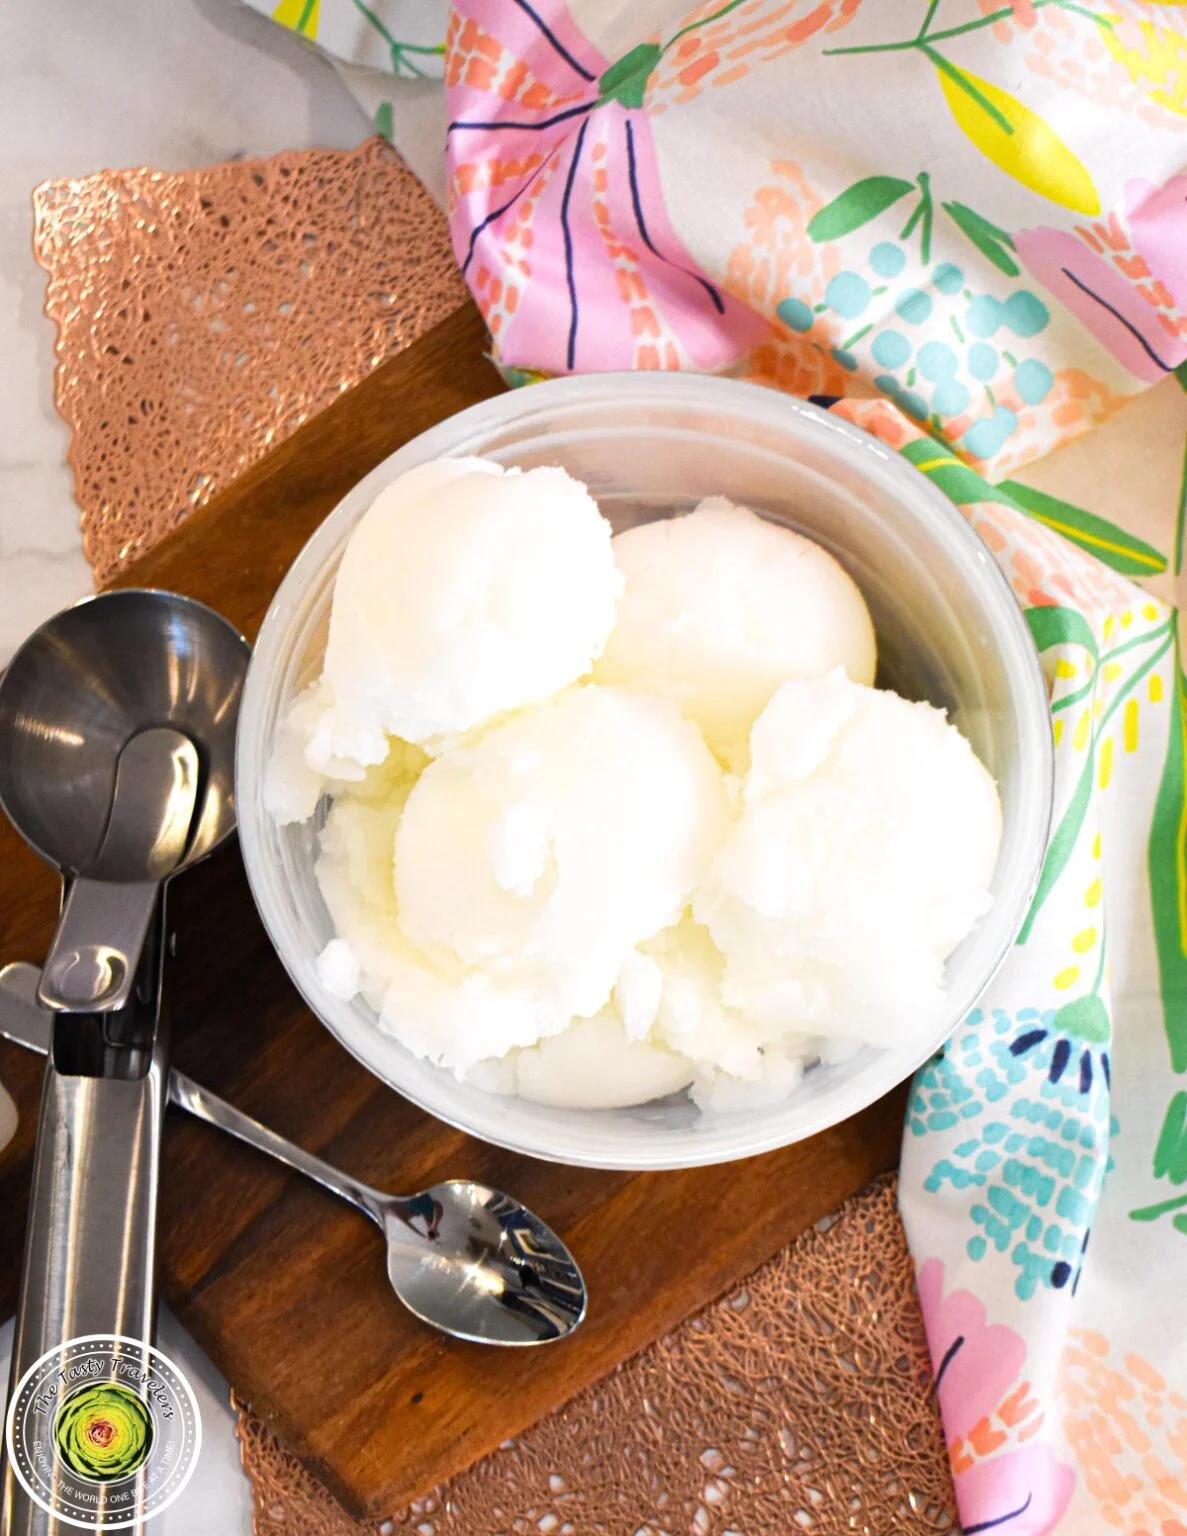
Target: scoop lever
(108, 909)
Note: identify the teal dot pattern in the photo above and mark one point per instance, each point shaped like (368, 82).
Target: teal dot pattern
(947, 278)
(914, 306)
(891, 349)
(1033, 1145)
(938, 361)
(1034, 380)
(848, 294)
(796, 314)
(942, 351)
(888, 259)
(983, 361)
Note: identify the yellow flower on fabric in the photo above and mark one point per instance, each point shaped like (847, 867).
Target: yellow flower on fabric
(1016, 139)
(1130, 727)
(1155, 57)
(299, 16)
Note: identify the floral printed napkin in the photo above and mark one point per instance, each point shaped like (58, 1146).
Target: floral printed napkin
(1046, 1146)
(964, 226)
(979, 213)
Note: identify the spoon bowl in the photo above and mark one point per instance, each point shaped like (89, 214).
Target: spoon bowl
(492, 1272)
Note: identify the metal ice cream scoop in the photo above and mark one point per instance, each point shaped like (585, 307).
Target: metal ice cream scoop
(117, 735)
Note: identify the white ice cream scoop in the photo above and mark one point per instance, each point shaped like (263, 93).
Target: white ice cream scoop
(465, 591)
(529, 864)
(721, 607)
(863, 856)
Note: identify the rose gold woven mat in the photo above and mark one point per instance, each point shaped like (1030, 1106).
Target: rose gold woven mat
(201, 318)
(800, 1402)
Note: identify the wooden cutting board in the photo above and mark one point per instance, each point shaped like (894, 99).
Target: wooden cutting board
(283, 1285)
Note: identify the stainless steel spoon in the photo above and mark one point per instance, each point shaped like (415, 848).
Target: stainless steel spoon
(462, 1257)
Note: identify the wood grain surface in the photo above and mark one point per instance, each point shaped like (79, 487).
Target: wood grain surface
(283, 1285)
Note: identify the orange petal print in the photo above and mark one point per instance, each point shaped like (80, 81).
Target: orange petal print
(474, 57)
(716, 43)
(778, 259)
(1128, 1432)
(1130, 67)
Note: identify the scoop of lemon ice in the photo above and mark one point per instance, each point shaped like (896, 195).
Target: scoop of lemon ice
(528, 865)
(591, 1065)
(721, 607)
(465, 590)
(862, 858)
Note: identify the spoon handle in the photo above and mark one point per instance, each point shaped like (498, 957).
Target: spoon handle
(23, 1021)
(199, 1101)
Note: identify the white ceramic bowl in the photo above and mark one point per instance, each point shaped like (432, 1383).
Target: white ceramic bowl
(649, 445)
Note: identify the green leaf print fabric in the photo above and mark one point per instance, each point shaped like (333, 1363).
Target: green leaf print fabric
(1044, 1172)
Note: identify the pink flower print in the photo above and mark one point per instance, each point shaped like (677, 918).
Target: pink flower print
(1023, 1493)
(556, 209)
(1005, 1480)
(1128, 288)
(978, 1361)
(1157, 218)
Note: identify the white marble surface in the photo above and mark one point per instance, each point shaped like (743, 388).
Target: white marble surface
(86, 87)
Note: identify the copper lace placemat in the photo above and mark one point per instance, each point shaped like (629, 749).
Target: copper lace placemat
(800, 1402)
(203, 316)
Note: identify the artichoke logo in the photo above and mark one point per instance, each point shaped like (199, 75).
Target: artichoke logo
(103, 1432)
